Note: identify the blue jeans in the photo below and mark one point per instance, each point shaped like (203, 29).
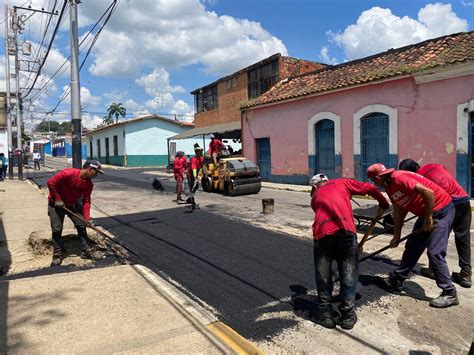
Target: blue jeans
(436, 243)
(4, 171)
(341, 247)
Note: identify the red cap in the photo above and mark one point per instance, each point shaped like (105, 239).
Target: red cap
(378, 170)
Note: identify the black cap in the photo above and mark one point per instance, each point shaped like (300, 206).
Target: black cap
(94, 164)
(409, 165)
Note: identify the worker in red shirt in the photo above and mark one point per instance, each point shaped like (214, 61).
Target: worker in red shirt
(72, 188)
(194, 172)
(215, 147)
(179, 167)
(462, 216)
(335, 238)
(411, 192)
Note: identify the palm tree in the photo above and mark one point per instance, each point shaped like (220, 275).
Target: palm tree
(116, 110)
(106, 120)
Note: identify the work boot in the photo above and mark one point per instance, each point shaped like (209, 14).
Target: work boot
(392, 284)
(427, 272)
(57, 260)
(445, 299)
(91, 254)
(462, 278)
(349, 319)
(326, 319)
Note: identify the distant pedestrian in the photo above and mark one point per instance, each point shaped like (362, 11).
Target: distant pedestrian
(72, 188)
(411, 192)
(36, 159)
(462, 216)
(179, 167)
(4, 162)
(194, 174)
(335, 239)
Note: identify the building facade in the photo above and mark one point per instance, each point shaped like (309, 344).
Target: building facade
(413, 102)
(137, 142)
(220, 101)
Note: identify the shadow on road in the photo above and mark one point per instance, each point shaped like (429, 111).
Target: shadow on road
(241, 271)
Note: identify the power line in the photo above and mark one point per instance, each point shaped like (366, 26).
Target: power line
(113, 6)
(61, 14)
(40, 47)
(60, 70)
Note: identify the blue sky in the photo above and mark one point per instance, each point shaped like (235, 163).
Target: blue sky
(152, 53)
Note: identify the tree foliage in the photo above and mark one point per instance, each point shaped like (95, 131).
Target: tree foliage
(60, 128)
(116, 110)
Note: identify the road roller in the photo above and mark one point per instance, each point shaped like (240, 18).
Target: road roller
(232, 176)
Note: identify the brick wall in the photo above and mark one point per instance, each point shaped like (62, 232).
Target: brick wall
(228, 105)
(229, 99)
(293, 66)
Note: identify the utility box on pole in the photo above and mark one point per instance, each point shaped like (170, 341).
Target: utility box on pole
(75, 88)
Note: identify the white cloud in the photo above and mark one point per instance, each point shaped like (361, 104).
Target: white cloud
(87, 99)
(378, 29)
(90, 121)
(467, 3)
(164, 34)
(325, 58)
(158, 81)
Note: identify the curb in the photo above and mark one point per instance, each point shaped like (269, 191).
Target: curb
(221, 334)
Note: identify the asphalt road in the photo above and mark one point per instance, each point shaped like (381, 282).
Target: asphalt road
(237, 270)
(239, 263)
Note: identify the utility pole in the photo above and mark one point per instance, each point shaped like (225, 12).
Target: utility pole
(8, 98)
(75, 88)
(19, 105)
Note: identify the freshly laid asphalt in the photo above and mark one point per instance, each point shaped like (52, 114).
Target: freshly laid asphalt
(238, 270)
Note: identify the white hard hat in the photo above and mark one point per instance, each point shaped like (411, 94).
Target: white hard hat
(317, 179)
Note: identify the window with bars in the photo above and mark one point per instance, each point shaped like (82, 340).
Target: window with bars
(206, 99)
(374, 141)
(325, 152)
(262, 79)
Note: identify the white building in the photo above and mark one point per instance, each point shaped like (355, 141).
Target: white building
(137, 142)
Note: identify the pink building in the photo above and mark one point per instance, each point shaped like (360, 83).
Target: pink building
(412, 102)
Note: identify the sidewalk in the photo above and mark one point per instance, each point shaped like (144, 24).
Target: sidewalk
(90, 307)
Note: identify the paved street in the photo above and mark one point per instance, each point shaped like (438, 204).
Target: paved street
(239, 263)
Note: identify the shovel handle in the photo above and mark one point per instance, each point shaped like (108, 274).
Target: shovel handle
(415, 233)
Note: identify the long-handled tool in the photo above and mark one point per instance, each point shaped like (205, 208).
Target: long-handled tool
(88, 224)
(371, 227)
(415, 233)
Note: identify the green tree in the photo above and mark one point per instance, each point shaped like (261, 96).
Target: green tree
(116, 110)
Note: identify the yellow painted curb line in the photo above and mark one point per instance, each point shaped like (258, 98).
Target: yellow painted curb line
(233, 339)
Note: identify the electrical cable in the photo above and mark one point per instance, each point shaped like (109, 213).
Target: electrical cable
(66, 61)
(49, 48)
(112, 8)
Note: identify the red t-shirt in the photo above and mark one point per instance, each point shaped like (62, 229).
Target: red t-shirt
(332, 205)
(215, 146)
(441, 176)
(195, 163)
(180, 165)
(401, 191)
(67, 186)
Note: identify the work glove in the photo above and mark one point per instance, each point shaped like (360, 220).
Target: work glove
(58, 204)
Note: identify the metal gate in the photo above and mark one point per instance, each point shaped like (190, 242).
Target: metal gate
(374, 131)
(325, 151)
(264, 158)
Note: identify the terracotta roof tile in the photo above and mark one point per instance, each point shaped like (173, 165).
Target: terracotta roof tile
(446, 50)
